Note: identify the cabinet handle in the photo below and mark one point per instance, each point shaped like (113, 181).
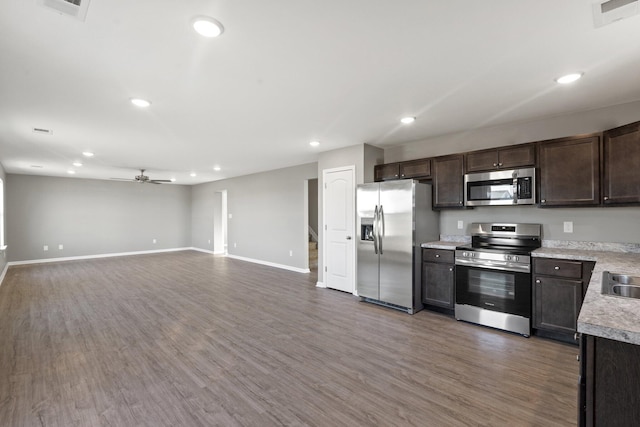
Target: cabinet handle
(437, 255)
(556, 268)
(460, 202)
(537, 280)
(495, 164)
(499, 164)
(450, 268)
(543, 201)
(606, 198)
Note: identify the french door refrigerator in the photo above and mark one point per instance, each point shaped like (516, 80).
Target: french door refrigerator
(394, 219)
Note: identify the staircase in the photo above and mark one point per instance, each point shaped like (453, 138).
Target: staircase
(313, 256)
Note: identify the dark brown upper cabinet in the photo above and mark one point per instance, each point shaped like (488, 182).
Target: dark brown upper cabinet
(386, 172)
(517, 156)
(621, 165)
(448, 181)
(419, 169)
(570, 171)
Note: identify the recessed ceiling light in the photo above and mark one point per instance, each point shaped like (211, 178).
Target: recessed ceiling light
(37, 166)
(216, 168)
(569, 78)
(193, 174)
(207, 27)
(407, 120)
(172, 180)
(77, 164)
(70, 172)
(87, 153)
(142, 103)
(314, 143)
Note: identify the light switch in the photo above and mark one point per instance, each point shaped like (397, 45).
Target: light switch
(568, 226)
(45, 248)
(60, 247)
(460, 225)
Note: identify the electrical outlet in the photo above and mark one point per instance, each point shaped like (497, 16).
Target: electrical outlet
(154, 241)
(568, 226)
(45, 248)
(209, 241)
(290, 253)
(60, 247)
(234, 244)
(460, 225)
(230, 216)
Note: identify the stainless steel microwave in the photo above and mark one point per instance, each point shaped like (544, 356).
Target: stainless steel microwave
(500, 188)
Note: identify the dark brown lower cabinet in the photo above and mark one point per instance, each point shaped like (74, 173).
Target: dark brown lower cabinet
(609, 393)
(438, 278)
(558, 291)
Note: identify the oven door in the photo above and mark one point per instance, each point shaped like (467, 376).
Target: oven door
(496, 290)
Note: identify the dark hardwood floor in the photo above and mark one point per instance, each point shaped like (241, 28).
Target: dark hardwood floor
(188, 339)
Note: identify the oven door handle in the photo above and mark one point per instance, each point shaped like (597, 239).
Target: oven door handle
(493, 265)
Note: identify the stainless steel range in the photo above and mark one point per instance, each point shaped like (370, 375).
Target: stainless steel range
(493, 276)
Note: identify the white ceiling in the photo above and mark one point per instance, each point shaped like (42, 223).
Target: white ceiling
(286, 72)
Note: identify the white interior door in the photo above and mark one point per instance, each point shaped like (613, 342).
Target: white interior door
(339, 223)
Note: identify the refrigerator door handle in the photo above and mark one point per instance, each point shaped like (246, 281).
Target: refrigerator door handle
(380, 228)
(375, 230)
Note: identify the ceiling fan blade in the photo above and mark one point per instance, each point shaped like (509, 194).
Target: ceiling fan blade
(122, 179)
(159, 181)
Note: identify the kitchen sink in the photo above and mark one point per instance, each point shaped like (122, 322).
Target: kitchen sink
(621, 285)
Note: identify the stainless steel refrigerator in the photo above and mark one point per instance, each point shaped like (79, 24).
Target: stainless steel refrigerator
(394, 219)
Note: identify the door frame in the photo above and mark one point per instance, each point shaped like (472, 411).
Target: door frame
(352, 169)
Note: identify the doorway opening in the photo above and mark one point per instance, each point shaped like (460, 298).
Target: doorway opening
(312, 232)
(220, 245)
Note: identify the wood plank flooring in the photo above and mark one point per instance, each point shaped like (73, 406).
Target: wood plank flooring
(188, 339)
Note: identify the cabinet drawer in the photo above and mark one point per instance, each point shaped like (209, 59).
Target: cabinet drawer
(558, 268)
(438, 255)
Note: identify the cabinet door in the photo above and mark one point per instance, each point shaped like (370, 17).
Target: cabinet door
(484, 160)
(517, 156)
(416, 169)
(570, 171)
(386, 172)
(622, 165)
(448, 181)
(557, 303)
(437, 284)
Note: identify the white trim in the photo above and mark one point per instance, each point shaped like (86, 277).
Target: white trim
(270, 264)
(74, 258)
(4, 271)
(320, 285)
(202, 250)
(352, 169)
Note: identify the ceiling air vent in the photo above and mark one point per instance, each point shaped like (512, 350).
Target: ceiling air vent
(606, 12)
(74, 8)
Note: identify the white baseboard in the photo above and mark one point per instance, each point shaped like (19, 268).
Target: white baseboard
(206, 251)
(4, 271)
(320, 285)
(73, 258)
(270, 264)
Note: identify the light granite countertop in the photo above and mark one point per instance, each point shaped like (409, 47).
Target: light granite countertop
(604, 316)
(440, 244)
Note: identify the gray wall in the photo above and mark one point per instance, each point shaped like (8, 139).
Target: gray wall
(90, 217)
(590, 224)
(269, 215)
(3, 255)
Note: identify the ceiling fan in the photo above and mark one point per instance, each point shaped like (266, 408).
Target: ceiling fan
(144, 179)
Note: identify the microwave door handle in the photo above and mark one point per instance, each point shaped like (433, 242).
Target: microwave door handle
(374, 231)
(515, 190)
